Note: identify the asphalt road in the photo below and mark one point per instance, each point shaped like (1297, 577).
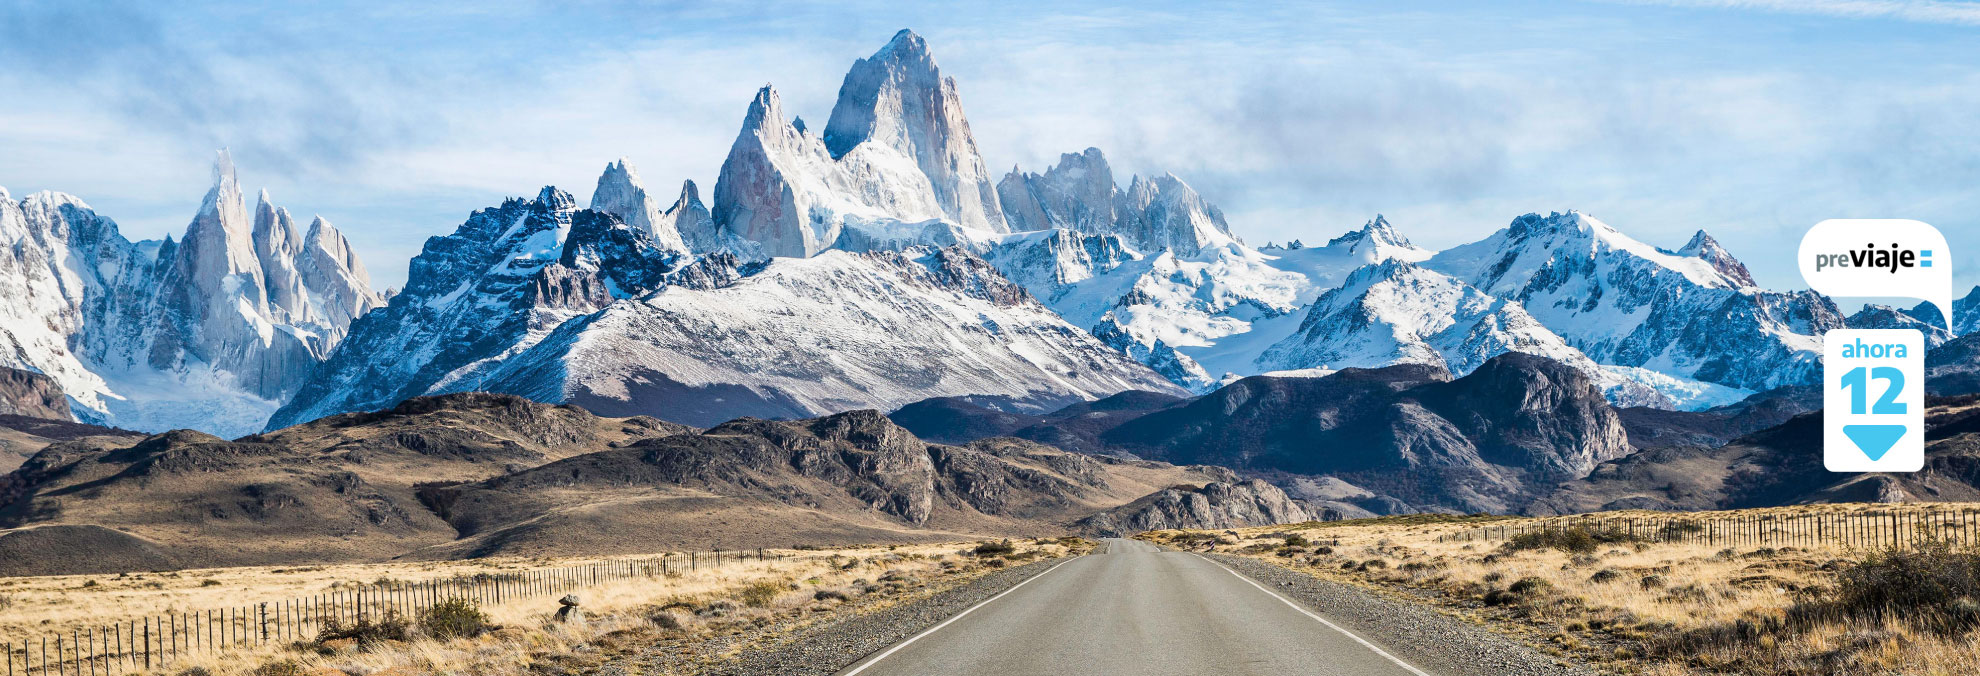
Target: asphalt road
(1134, 609)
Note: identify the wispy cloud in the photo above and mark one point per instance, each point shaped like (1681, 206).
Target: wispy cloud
(1923, 11)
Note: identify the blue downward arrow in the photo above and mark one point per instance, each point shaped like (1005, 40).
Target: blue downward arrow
(1874, 440)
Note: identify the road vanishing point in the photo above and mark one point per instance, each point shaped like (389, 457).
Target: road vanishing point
(1134, 609)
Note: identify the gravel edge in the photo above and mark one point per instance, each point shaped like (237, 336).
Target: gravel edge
(1418, 634)
(825, 649)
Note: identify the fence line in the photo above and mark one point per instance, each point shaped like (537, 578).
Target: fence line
(1872, 528)
(138, 645)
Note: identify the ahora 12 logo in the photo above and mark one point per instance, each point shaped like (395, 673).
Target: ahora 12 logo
(1876, 258)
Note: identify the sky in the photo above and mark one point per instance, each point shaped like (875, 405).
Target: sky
(1751, 119)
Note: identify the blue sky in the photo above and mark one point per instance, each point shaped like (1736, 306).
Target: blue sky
(1752, 119)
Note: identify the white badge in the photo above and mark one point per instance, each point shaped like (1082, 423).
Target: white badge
(1873, 400)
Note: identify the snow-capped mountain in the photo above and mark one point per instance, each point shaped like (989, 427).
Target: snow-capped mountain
(1692, 314)
(1874, 316)
(1396, 312)
(868, 265)
(896, 164)
(210, 331)
(1079, 194)
(621, 193)
(1966, 314)
(1201, 319)
(561, 304)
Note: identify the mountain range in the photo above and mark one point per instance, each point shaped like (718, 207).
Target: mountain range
(688, 348)
(870, 264)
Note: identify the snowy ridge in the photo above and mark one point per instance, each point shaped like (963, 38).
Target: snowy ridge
(1218, 309)
(1396, 312)
(211, 331)
(834, 332)
(1625, 303)
(1966, 314)
(504, 280)
(1874, 316)
(1079, 194)
(543, 299)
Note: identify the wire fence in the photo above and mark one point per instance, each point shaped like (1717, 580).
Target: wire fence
(1859, 529)
(142, 644)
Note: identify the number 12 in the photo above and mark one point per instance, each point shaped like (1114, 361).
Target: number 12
(1856, 381)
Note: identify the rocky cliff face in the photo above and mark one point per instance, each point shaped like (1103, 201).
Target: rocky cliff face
(1215, 505)
(895, 159)
(621, 193)
(212, 330)
(32, 395)
(1079, 194)
(897, 105)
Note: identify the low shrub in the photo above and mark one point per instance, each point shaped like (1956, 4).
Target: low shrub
(760, 594)
(1530, 585)
(1574, 540)
(453, 618)
(995, 548)
(1930, 585)
(366, 631)
(1933, 585)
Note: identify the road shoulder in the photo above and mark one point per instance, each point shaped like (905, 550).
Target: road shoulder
(829, 647)
(1416, 633)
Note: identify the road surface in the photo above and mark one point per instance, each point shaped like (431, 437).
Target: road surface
(1134, 610)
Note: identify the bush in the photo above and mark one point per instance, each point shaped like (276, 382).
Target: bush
(1934, 585)
(366, 631)
(1930, 585)
(1574, 540)
(760, 594)
(1297, 540)
(1529, 585)
(995, 548)
(454, 618)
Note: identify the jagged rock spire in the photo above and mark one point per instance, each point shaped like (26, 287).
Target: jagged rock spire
(620, 192)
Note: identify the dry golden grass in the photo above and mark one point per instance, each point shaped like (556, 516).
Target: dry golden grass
(1622, 605)
(621, 616)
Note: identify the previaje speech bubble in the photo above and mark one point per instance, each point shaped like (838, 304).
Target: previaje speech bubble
(1879, 257)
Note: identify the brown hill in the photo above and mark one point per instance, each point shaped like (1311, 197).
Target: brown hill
(1781, 465)
(338, 489)
(477, 474)
(846, 478)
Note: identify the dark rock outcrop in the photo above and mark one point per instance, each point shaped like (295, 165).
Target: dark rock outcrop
(1477, 443)
(1215, 505)
(32, 395)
